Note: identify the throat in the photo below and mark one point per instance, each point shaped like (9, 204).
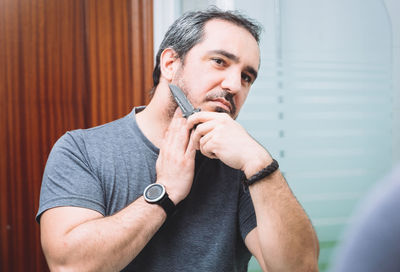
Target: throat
(153, 125)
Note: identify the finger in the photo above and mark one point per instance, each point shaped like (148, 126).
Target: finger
(201, 130)
(191, 148)
(177, 122)
(177, 135)
(178, 112)
(204, 116)
(207, 147)
(175, 118)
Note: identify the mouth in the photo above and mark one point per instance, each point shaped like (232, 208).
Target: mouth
(222, 103)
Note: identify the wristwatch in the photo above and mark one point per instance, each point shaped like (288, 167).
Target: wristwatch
(155, 194)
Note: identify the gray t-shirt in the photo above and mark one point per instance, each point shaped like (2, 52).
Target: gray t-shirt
(106, 168)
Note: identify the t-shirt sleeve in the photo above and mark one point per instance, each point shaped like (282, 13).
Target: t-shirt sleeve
(247, 216)
(69, 179)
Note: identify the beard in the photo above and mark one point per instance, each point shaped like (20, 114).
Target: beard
(210, 96)
(173, 105)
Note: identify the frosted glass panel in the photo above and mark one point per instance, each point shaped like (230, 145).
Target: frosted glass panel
(323, 103)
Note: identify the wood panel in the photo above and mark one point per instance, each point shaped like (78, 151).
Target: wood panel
(64, 64)
(123, 52)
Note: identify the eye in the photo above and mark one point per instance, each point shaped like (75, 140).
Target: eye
(246, 78)
(219, 61)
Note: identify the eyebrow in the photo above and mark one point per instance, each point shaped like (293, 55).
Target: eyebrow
(236, 59)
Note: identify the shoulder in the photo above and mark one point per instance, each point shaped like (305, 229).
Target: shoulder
(80, 142)
(100, 135)
(117, 127)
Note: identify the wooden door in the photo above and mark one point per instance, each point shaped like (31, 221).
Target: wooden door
(64, 64)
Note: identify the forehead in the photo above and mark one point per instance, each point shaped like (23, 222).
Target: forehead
(227, 36)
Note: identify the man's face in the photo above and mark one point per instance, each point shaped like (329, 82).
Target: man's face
(218, 72)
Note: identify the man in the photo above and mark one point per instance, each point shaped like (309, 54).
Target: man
(93, 214)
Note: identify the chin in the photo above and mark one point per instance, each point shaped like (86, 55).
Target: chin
(222, 110)
(214, 108)
(219, 109)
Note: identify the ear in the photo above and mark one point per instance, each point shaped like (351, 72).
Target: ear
(169, 63)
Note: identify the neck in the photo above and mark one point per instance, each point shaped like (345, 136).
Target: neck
(155, 118)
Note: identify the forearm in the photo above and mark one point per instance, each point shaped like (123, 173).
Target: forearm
(287, 239)
(108, 243)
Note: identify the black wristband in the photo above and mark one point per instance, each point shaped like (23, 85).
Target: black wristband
(167, 204)
(261, 174)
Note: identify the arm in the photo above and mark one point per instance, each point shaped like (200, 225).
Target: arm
(79, 239)
(284, 239)
(284, 233)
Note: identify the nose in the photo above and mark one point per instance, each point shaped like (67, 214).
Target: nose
(232, 81)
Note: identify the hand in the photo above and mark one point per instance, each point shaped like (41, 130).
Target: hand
(175, 164)
(217, 135)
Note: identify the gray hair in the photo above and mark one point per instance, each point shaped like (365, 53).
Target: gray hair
(188, 30)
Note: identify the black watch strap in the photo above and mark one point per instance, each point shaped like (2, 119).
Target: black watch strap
(167, 204)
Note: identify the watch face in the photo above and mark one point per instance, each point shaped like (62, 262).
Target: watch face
(154, 192)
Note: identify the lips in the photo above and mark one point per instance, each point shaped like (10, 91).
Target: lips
(224, 103)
